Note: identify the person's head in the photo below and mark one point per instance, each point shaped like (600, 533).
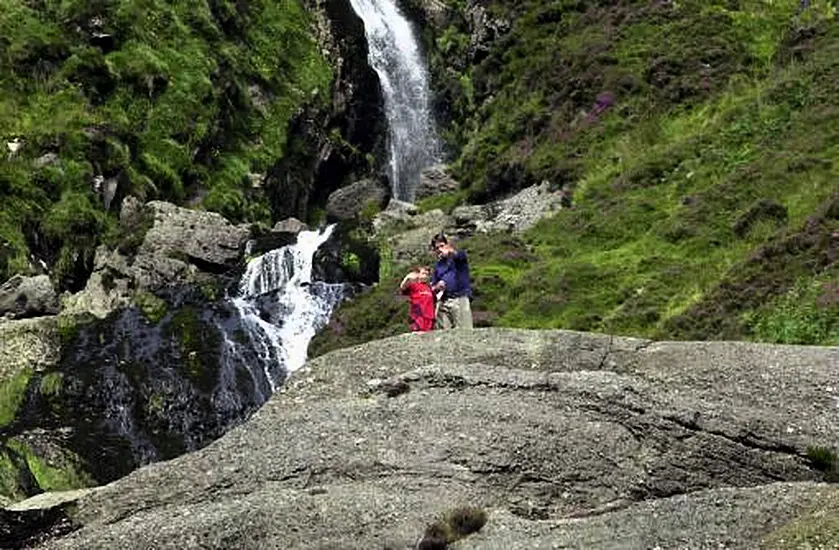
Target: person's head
(422, 272)
(438, 242)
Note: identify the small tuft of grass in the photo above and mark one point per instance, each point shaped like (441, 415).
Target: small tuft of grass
(466, 520)
(826, 460)
(457, 524)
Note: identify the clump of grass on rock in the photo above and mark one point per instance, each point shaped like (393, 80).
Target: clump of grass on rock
(457, 524)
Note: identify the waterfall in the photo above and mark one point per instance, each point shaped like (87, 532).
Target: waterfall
(158, 389)
(395, 55)
(281, 309)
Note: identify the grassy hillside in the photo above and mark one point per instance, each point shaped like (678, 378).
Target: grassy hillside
(171, 99)
(700, 140)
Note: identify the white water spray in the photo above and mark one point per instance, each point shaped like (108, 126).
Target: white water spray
(393, 52)
(282, 279)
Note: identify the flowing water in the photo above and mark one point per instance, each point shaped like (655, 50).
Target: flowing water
(280, 307)
(395, 55)
(141, 391)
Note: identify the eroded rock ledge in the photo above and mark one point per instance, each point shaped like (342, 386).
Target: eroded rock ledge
(568, 440)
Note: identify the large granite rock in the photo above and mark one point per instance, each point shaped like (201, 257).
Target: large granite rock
(348, 202)
(567, 440)
(206, 238)
(175, 245)
(435, 180)
(27, 297)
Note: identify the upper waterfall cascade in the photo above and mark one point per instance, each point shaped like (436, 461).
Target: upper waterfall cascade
(395, 55)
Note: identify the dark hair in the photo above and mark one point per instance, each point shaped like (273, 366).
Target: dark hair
(439, 238)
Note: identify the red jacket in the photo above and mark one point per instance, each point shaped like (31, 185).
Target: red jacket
(421, 311)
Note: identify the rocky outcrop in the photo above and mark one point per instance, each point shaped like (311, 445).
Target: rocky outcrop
(562, 438)
(138, 366)
(289, 225)
(348, 202)
(27, 297)
(433, 181)
(203, 238)
(408, 232)
(28, 345)
(172, 245)
(513, 214)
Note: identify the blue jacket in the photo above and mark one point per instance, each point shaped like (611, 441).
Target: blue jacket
(454, 271)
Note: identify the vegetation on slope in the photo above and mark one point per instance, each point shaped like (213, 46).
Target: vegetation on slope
(700, 140)
(168, 99)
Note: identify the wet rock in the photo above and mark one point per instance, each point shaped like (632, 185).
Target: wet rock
(27, 297)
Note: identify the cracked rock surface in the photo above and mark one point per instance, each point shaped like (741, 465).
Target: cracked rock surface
(567, 440)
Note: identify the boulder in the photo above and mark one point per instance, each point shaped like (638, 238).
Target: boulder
(434, 181)
(28, 297)
(397, 216)
(348, 202)
(289, 225)
(174, 245)
(410, 245)
(206, 238)
(563, 439)
(28, 345)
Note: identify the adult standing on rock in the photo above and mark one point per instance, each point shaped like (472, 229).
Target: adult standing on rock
(451, 282)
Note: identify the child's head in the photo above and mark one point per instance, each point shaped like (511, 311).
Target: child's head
(422, 271)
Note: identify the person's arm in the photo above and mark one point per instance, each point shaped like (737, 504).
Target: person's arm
(408, 279)
(459, 256)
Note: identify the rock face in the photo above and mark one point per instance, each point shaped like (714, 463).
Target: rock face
(346, 203)
(409, 232)
(137, 366)
(33, 344)
(433, 181)
(27, 297)
(205, 238)
(173, 245)
(514, 214)
(565, 439)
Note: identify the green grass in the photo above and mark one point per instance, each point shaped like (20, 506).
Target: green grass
(175, 100)
(60, 472)
(12, 392)
(704, 194)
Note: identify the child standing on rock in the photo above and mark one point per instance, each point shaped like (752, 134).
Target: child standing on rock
(416, 286)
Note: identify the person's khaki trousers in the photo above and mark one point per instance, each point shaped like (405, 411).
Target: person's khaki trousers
(454, 313)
